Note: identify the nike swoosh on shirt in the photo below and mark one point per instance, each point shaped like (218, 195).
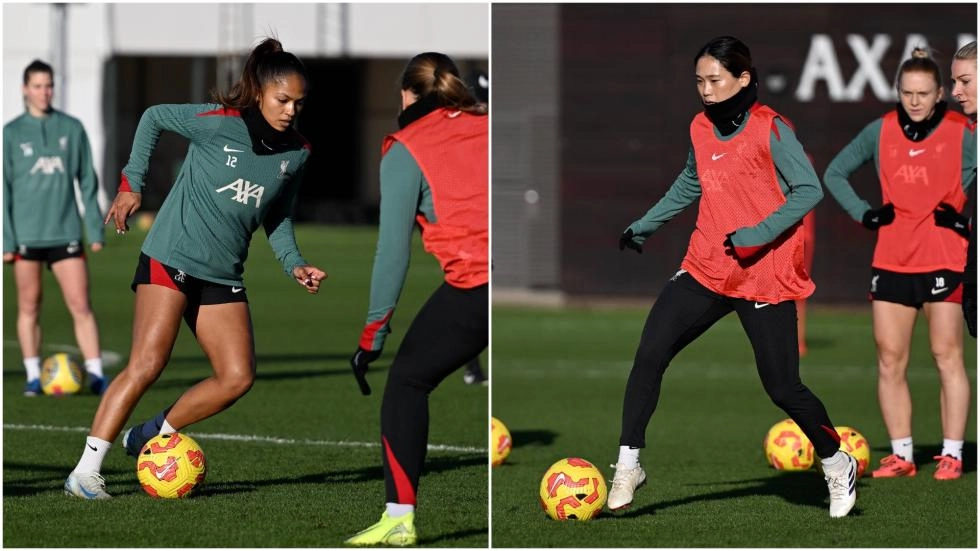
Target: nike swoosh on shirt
(914, 152)
(715, 157)
(937, 291)
(229, 150)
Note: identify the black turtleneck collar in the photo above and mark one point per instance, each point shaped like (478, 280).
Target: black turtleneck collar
(728, 115)
(419, 109)
(266, 140)
(918, 131)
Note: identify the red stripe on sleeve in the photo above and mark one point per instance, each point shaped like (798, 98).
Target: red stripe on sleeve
(124, 184)
(406, 493)
(371, 331)
(221, 112)
(746, 252)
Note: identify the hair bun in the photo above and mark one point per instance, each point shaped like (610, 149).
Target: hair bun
(920, 53)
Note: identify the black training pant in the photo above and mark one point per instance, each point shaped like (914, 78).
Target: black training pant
(449, 330)
(685, 310)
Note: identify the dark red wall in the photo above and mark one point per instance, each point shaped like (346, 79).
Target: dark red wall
(628, 95)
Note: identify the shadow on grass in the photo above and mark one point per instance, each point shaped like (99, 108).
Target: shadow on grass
(120, 482)
(808, 491)
(364, 474)
(46, 478)
(457, 535)
(532, 437)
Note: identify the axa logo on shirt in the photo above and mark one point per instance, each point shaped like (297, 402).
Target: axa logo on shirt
(244, 190)
(911, 174)
(48, 166)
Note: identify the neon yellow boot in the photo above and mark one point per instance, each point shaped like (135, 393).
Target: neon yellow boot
(387, 531)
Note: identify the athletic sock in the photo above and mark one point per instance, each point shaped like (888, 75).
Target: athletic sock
(33, 367)
(94, 366)
(835, 462)
(396, 510)
(953, 448)
(629, 457)
(92, 455)
(166, 428)
(902, 447)
(152, 427)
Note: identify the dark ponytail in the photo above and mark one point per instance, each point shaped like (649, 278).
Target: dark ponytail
(266, 63)
(435, 74)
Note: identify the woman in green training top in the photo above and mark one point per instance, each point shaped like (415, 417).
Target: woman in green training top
(44, 152)
(242, 170)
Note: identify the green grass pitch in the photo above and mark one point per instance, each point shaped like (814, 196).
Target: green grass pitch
(558, 382)
(312, 475)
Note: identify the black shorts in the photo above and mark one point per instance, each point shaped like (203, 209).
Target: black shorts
(73, 249)
(916, 289)
(198, 291)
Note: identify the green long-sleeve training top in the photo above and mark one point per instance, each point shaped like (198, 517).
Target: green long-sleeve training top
(42, 158)
(863, 148)
(223, 193)
(404, 193)
(797, 180)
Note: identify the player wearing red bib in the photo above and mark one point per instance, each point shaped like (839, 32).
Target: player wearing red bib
(925, 158)
(746, 255)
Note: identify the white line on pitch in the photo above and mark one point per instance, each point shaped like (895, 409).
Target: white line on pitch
(262, 439)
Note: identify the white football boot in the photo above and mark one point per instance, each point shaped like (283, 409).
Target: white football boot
(624, 483)
(843, 488)
(86, 486)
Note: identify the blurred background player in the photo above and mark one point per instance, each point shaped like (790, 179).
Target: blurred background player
(434, 172)
(745, 255)
(964, 74)
(925, 157)
(192, 261)
(44, 152)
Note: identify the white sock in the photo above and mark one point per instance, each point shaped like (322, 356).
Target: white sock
(902, 447)
(94, 366)
(835, 462)
(92, 455)
(396, 510)
(953, 448)
(33, 367)
(629, 457)
(166, 428)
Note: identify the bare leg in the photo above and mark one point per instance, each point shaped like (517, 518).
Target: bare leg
(225, 334)
(946, 338)
(893, 324)
(72, 276)
(28, 276)
(155, 325)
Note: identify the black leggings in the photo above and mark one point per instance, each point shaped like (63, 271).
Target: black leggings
(449, 330)
(685, 310)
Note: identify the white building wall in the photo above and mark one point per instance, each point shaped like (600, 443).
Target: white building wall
(98, 31)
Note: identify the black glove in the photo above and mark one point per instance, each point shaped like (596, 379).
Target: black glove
(359, 363)
(876, 218)
(729, 246)
(947, 217)
(626, 240)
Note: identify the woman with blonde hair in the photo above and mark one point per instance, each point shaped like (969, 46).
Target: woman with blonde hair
(925, 157)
